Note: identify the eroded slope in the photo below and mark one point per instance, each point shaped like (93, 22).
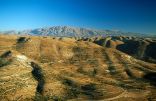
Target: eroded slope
(78, 70)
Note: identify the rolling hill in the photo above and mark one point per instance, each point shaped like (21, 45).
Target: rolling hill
(138, 47)
(59, 69)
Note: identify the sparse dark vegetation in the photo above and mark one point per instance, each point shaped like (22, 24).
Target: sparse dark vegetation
(21, 42)
(5, 58)
(94, 72)
(4, 62)
(73, 88)
(69, 82)
(91, 91)
(6, 54)
(22, 39)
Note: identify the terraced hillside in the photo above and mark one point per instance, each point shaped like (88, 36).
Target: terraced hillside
(60, 69)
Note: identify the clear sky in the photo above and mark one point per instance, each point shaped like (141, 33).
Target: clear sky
(125, 15)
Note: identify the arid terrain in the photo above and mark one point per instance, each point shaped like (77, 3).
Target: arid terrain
(46, 68)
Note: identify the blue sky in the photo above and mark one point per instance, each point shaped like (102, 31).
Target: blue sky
(125, 15)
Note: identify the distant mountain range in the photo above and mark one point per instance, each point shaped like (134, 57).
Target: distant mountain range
(66, 31)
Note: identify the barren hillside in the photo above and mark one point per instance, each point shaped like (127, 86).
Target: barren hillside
(142, 48)
(60, 69)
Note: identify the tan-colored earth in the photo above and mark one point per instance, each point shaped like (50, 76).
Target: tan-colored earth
(64, 69)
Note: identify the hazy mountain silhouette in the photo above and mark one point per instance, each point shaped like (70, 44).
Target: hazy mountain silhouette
(66, 31)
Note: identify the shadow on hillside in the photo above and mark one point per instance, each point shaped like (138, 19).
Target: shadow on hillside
(151, 77)
(129, 47)
(37, 73)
